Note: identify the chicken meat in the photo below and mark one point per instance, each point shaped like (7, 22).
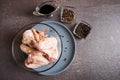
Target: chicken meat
(28, 37)
(36, 60)
(40, 48)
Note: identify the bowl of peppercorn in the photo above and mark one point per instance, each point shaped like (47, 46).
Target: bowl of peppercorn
(67, 14)
(82, 29)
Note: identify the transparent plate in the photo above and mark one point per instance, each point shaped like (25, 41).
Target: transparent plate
(20, 57)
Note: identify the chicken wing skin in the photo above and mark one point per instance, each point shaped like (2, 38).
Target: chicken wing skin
(36, 60)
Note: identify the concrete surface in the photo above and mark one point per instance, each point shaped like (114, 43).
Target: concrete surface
(98, 56)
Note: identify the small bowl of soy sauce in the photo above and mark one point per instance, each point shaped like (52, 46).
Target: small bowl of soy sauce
(46, 9)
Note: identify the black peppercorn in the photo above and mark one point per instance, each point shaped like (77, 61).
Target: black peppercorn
(81, 30)
(67, 15)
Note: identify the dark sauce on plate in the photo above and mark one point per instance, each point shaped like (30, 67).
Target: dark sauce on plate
(46, 9)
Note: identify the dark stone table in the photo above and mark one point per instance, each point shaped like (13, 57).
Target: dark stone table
(98, 56)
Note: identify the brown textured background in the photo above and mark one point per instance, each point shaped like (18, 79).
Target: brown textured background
(98, 56)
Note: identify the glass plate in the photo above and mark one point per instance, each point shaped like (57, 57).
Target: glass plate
(20, 57)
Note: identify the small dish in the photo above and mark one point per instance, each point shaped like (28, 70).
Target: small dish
(82, 29)
(46, 9)
(68, 14)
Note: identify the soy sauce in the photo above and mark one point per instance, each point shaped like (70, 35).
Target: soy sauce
(46, 9)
